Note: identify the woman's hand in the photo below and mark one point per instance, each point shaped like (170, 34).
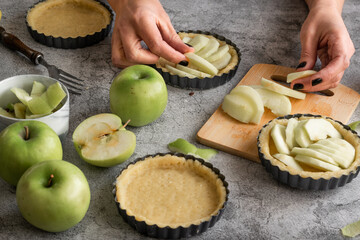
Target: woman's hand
(144, 20)
(324, 35)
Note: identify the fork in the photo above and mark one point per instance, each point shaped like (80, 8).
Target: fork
(74, 84)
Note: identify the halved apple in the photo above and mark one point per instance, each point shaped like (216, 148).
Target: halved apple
(319, 128)
(210, 48)
(273, 86)
(296, 75)
(201, 63)
(288, 161)
(279, 104)
(254, 100)
(198, 42)
(278, 136)
(218, 54)
(101, 140)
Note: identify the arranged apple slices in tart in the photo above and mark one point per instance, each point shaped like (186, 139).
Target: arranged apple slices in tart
(310, 147)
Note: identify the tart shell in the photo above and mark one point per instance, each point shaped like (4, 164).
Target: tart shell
(201, 83)
(308, 180)
(168, 232)
(70, 42)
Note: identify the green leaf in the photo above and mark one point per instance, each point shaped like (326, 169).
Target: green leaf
(351, 230)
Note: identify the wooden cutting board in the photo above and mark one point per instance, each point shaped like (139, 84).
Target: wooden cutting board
(229, 135)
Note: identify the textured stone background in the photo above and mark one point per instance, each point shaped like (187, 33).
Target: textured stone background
(259, 207)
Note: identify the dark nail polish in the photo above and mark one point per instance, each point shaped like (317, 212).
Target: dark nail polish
(301, 65)
(188, 45)
(316, 81)
(184, 63)
(298, 86)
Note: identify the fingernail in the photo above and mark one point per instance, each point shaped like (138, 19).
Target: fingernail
(301, 65)
(298, 86)
(188, 45)
(316, 81)
(184, 63)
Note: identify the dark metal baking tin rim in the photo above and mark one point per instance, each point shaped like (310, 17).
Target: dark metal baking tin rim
(71, 43)
(168, 232)
(297, 181)
(201, 83)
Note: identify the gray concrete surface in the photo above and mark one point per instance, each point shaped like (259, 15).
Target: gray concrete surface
(258, 207)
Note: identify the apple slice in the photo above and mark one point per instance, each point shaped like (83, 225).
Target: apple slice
(319, 128)
(222, 62)
(209, 49)
(288, 161)
(279, 104)
(238, 107)
(289, 133)
(278, 136)
(19, 109)
(316, 163)
(101, 140)
(37, 89)
(301, 135)
(45, 103)
(178, 72)
(22, 95)
(313, 153)
(335, 154)
(219, 53)
(296, 75)
(273, 86)
(6, 113)
(253, 98)
(198, 42)
(194, 72)
(186, 39)
(201, 63)
(163, 62)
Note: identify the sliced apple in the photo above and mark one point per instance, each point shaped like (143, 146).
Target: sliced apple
(163, 62)
(313, 153)
(22, 95)
(278, 136)
(194, 72)
(301, 136)
(316, 163)
(273, 86)
(5, 113)
(101, 140)
(222, 62)
(296, 75)
(178, 72)
(37, 89)
(319, 128)
(45, 103)
(201, 63)
(210, 48)
(19, 110)
(198, 42)
(253, 98)
(288, 161)
(186, 39)
(219, 53)
(279, 104)
(289, 133)
(238, 107)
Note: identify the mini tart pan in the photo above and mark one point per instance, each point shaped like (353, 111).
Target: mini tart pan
(306, 180)
(201, 83)
(71, 43)
(168, 232)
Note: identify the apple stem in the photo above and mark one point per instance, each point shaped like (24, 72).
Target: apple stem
(123, 126)
(26, 133)
(50, 180)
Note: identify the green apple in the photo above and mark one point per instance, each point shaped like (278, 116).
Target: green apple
(25, 143)
(102, 140)
(138, 93)
(53, 195)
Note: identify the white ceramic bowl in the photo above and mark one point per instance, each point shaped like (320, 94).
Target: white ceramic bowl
(58, 121)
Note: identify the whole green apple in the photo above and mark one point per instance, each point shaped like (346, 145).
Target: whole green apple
(102, 140)
(53, 195)
(25, 143)
(138, 93)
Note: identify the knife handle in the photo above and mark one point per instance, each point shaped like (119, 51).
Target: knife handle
(12, 42)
